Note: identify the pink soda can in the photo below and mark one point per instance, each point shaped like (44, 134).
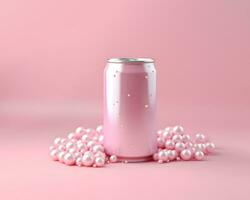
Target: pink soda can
(130, 108)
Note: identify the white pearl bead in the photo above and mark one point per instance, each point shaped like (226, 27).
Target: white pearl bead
(85, 138)
(162, 155)
(99, 161)
(101, 139)
(179, 146)
(97, 148)
(71, 136)
(57, 141)
(169, 129)
(170, 144)
(81, 146)
(172, 154)
(199, 155)
(69, 159)
(79, 130)
(113, 158)
(177, 138)
(72, 150)
(159, 132)
(61, 147)
(77, 154)
(99, 129)
(200, 138)
(54, 154)
(167, 135)
(186, 138)
(51, 148)
(99, 153)
(88, 159)
(200, 147)
(63, 141)
(79, 161)
(61, 156)
(189, 145)
(178, 129)
(69, 145)
(210, 147)
(90, 144)
(186, 154)
(160, 142)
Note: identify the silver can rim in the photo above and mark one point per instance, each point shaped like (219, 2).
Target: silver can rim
(129, 60)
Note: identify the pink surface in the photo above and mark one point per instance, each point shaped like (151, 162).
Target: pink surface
(52, 56)
(28, 173)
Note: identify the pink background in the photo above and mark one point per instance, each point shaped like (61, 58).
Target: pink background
(52, 56)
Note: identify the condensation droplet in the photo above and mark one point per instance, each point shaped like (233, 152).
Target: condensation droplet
(117, 102)
(114, 75)
(128, 95)
(146, 106)
(146, 77)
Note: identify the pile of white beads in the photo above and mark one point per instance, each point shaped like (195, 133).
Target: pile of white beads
(174, 144)
(84, 147)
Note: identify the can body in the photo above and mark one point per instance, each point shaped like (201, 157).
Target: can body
(130, 108)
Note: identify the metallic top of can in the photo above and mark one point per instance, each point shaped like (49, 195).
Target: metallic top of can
(129, 60)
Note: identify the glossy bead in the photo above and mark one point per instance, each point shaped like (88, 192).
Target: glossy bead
(160, 142)
(69, 159)
(61, 147)
(172, 154)
(81, 146)
(69, 145)
(52, 148)
(177, 138)
(210, 147)
(91, 144)
(63, 141)
(85, 138)
(159, 132)
(71, 136)
(99, 161)
(54, 154)
(77, 154)
(79, 130)
(186, 138)
(97, 148)
(72, 150)
(200, 147)
(88, 159)
(169, 129)
(178, 130)
(199, 155)
(160, 161)
(79, 161)
(189, 145)
(170, 144)
(186, 154)
(100, 139)
(200, 138)
(57, 141)
(179, 146)
(155, 156)
(113, 158)
(99, 129)
(61, 156)
(162, 155)
(167, 135)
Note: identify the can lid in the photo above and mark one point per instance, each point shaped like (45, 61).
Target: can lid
(124, 60)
